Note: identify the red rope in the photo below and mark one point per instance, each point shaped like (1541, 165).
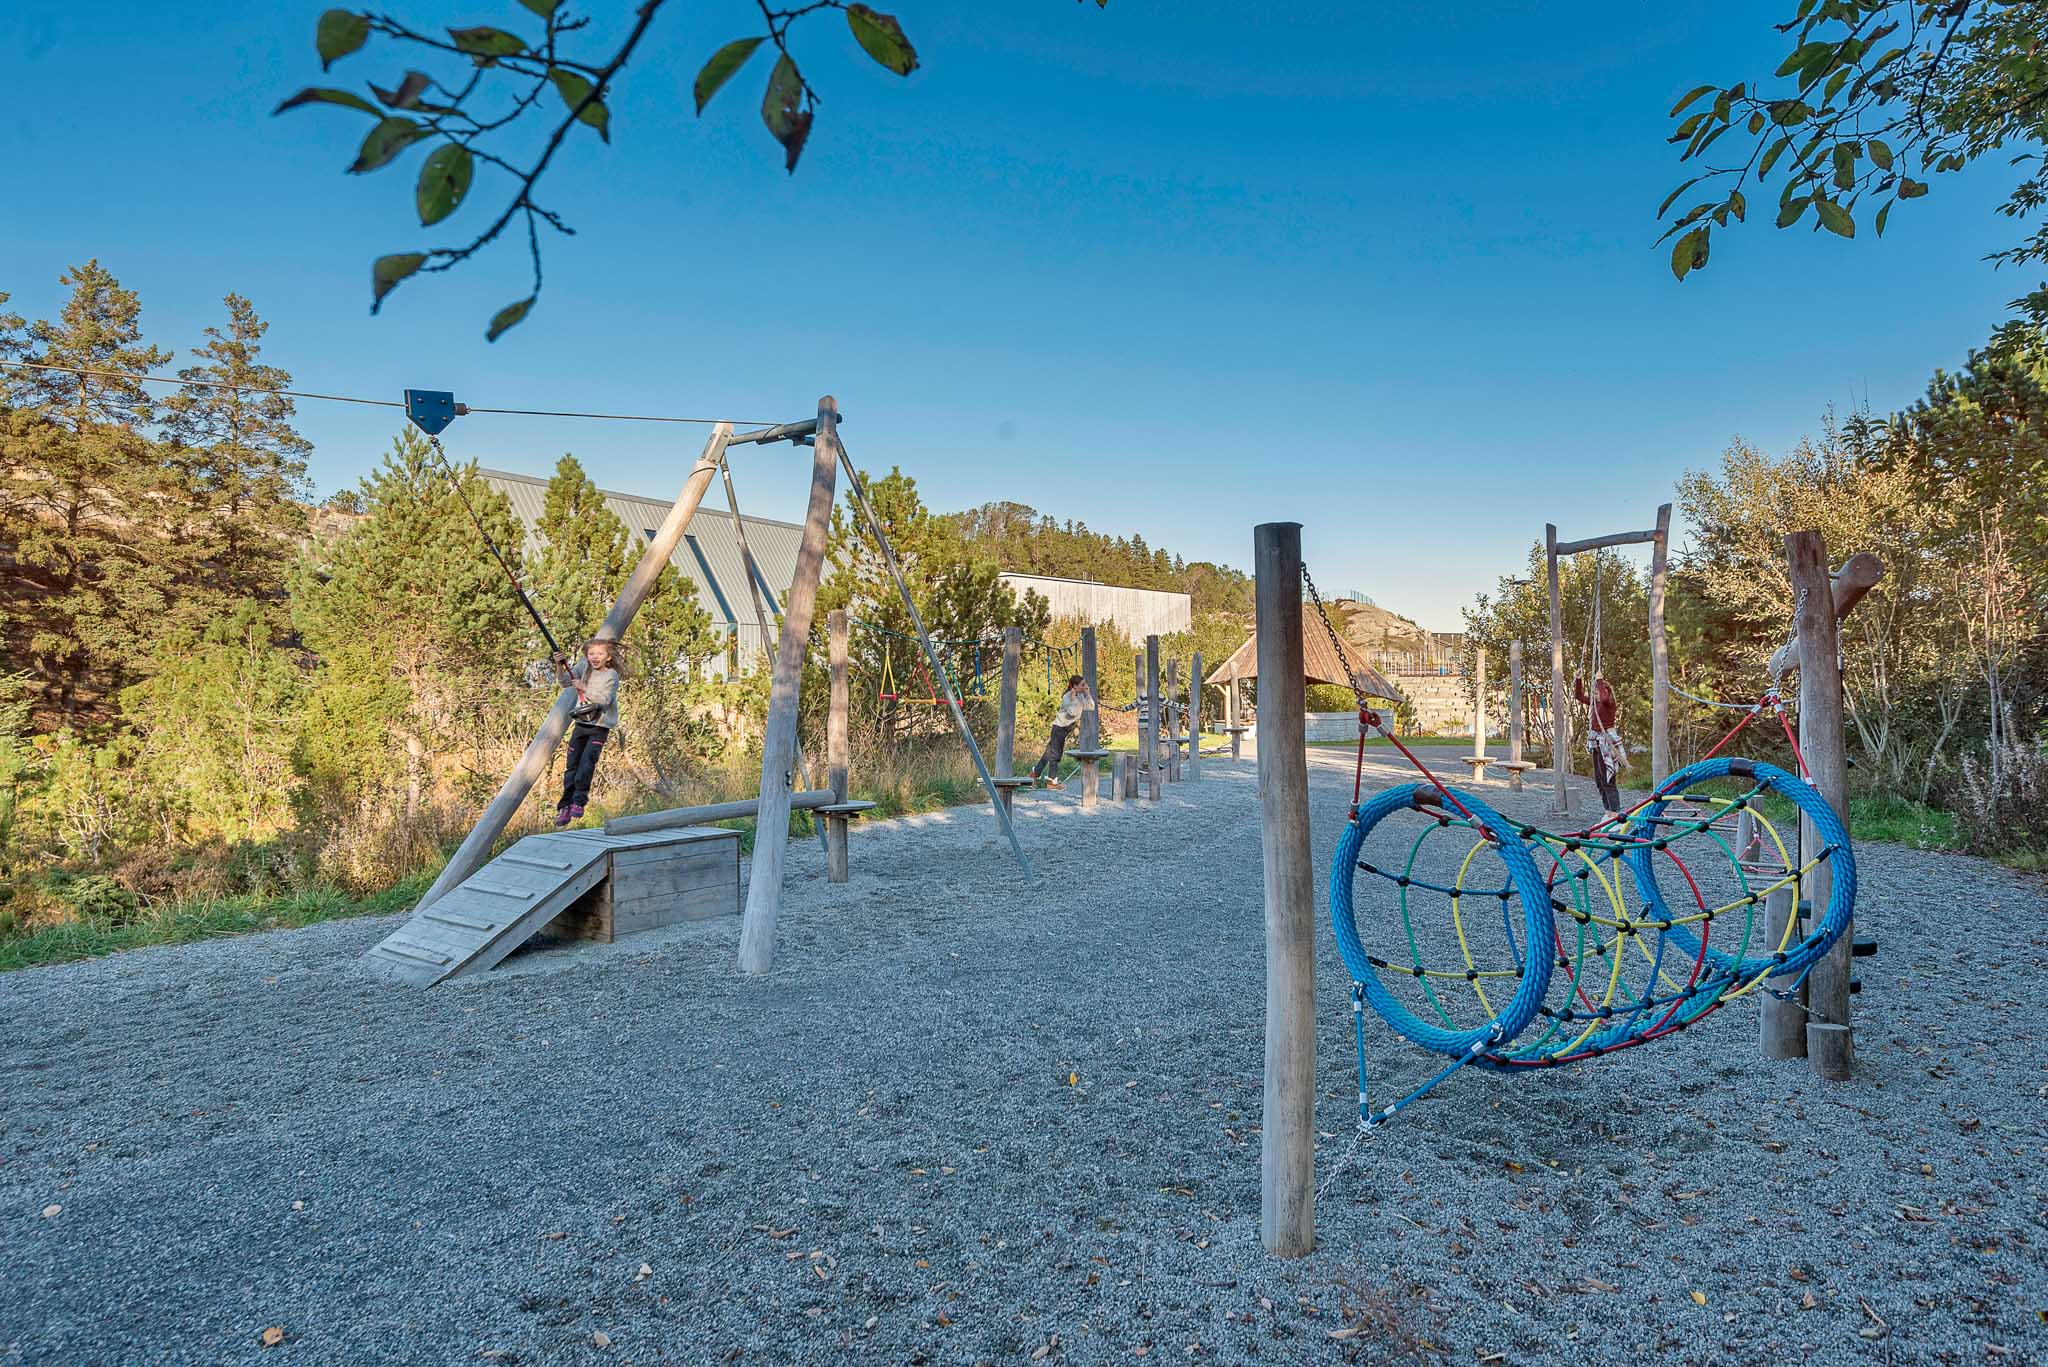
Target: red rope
(1368, 717)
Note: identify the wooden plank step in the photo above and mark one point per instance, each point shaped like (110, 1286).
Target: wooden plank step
(450, 918)
(498, 890)
(404, 948)
(557, 865)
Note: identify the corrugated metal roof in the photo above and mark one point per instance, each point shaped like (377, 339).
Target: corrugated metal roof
(709, 556)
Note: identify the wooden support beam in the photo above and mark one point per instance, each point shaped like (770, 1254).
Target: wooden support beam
(1821, 741)
(940, 673)
(1781, 1028)
(1601, 543)
(1230, 722)
(1091, 723)
(1173, 711)
(1287, 1204)
(837, 752)
(1660, 650)
(1194, 765)
(1560, 722)
(1515, 715)
(778, 739)
(1006, 712)
(475, 850)
(1479, 702)
(1154, 713)
(1848, 585)
(676, 818)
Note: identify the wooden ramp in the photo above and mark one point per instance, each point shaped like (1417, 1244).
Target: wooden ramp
(505, 903)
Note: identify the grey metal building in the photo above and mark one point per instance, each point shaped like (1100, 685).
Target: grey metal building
(708, 557)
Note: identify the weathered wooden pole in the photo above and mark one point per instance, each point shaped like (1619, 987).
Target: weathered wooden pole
(1660, 651)
(1560, 730)
(1287, 1142)
(1006, 714)
(1173, 715)
(778, 741)
(1479, 702)
(1091, 724)
(1194, 769)
(1154, 713)
(1230, 722)
(1123, 775)
(1829, 1044)
(836, 751)
(475, 849)
(1515, 715)
(1781, 1029)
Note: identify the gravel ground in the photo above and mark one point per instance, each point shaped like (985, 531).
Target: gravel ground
(970, 1118)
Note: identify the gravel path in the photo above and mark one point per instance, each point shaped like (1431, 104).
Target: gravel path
(972, 1119)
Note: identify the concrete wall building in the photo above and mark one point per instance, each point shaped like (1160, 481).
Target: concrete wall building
(1138, 613)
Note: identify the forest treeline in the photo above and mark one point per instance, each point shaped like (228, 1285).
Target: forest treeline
(1945, 664)
(211, 687)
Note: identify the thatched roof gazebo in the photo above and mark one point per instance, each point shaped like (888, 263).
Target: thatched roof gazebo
(1321, 663)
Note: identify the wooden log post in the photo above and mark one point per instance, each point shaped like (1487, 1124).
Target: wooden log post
(1829, 1044)
(475, 849)
(1515, 715)
(836, 750)
(1230, 722)
(1124, 779)
(1479, 702)
(1660, 651)
(1560, 728)
(1781, 1030)
(1006, 714)
(1287, 1210)
(1173, 714)
(1154, 713)
(1194, 765)
(1091, 724)
(778, 742)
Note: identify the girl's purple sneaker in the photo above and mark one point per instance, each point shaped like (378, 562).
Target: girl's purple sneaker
(576, 810)
(562, 816)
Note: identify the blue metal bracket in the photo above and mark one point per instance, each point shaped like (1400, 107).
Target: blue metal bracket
(431, 410)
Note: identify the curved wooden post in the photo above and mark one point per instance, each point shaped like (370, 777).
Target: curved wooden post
(1287, 1143)
(778, 742)
(1173, 716)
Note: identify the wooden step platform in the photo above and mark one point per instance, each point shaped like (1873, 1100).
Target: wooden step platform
(578, 883)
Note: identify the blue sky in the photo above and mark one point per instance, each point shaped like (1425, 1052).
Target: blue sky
(1175, 267)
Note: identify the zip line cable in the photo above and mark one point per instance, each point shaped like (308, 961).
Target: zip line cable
(455, 482)
(375, 403)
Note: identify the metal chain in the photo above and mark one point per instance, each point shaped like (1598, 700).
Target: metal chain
(1330, 628)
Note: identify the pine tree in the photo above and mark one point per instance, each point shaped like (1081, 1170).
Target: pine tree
(85, 587)
(582, 561)
(237, 468)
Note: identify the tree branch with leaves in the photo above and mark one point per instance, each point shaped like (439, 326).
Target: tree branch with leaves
(1873, 94)
(491, 86)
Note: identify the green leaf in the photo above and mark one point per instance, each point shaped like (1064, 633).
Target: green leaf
(1803, 56)
(338, 34)
(1884, 212)
(1790, 113)
(318, 95)
(1689, 253)
(544, 8)
(1834, 85)
(1669, 199)
(882, 38)
(390, 137)
(1835, 218)
(721, 67)
(1881, 154)
(444, 180)
(782, 110)
(1690, 96)
(508, 317)
(1771, 155)
(1845, 165)
(575, 91)
(1789, 214)
(1910, 188)
(1737, 205)
(389, 270)
(487, 42)
(1756, 122)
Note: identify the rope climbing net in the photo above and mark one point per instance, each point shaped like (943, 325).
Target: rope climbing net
(1504, 946)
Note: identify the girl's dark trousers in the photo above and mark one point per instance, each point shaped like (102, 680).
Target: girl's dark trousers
(586, 743)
